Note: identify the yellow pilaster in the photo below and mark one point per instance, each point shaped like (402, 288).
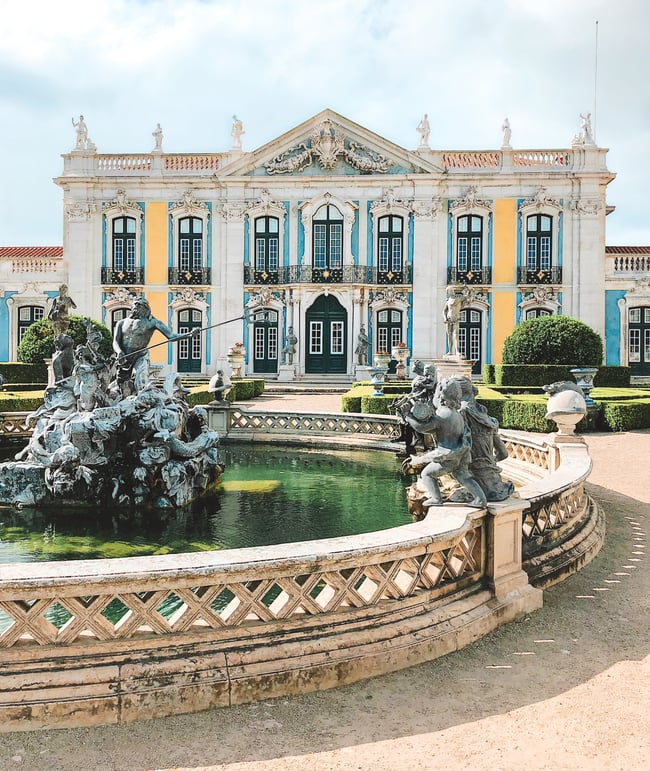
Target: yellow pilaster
(155, 243)
(504, 244)
(503, 320)
(158, 304)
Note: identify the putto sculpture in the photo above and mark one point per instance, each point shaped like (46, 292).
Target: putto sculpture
(110, 434)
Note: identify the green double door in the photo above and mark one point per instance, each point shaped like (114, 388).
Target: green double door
(326, 343)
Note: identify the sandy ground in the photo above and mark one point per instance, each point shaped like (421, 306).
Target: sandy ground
(565, 688)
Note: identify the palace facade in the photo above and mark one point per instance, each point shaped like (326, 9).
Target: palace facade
(330, 228)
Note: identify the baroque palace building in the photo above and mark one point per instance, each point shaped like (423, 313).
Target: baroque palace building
(330, 228)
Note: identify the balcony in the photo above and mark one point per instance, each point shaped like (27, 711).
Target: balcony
(112, 276)
(307, 274)
(200, 277)
(478, 276)
(539, 276)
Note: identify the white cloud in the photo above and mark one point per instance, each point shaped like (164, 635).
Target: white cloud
(190, 65)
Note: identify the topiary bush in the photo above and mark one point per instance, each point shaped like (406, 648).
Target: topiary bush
(38, 341)
(553, 340)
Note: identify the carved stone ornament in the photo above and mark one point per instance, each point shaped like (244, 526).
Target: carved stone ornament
(425, 209)
(589, 208)
(188, 296)
(233, 210)
(388, 202)
(470, 201)
(539, 201)
(80, 210)
(473, 296)
(387, 295)
(265, 297)
(122, 205)
(540, 294)
(189, 205)
(326, 145)
(121, 295)
(266, 205)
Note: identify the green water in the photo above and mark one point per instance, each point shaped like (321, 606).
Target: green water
(268, 495)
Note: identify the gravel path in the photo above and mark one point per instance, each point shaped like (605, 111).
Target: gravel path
(565, 688)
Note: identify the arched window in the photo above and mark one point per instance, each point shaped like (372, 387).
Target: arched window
(328, 238)
(267, 244)
(190, 244)
(123, 243)
(390, 246)
(27, 315)
(389, 329)
(117, 315)
(535, 313)
(469, 243)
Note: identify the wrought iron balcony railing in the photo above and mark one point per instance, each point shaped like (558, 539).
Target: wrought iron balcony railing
(538, 276)
(478, 276)
(307, 274)
(131, 277)
(202, 276)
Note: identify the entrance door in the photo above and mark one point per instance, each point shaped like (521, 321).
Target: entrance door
(326, 344)
(189, 350)
(470, 329)
(638, 346)
(265, 341)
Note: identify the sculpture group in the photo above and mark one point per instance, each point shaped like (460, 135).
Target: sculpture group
(107, 432)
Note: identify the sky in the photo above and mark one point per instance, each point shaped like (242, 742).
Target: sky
(190, 65)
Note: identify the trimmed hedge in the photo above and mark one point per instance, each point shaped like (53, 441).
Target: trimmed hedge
(376, 405)
(17, 372)
(613, 377)
(531, 374)
(20, 401)
(245, 389)
(624, 416)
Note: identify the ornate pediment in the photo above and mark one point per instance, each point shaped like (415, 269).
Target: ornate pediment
(121, 205)
(470, 201)
(327, 146)
(541, 200)
(189, 206)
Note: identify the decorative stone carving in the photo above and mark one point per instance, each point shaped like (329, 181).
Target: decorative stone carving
(469, 201)
(233, 211)
(389, 202)
(326, 145)
(425, 209)
(83, 141)
(387, 295)
(188, 205)
(265, 296)
(121, 205)
(588, 208)
(236, 132)
(585, 135)
(451, 316)
(539, 201)
(79, 211)
(266, 205)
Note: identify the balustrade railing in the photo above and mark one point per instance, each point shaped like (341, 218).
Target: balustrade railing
(539, 275)
(111, 276)
(632, 264)
(192, 277)
(36, 265)
(261, 421)
(123, 163)
(477, 276)
(348, 274)
(559, 159)
(471, 160)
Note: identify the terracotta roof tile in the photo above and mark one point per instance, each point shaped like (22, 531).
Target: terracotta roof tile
(627, 250)
(31, 251)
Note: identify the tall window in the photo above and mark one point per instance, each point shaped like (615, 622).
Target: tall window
(27, 315)
(389, 255)
(124, 243)
(267, 244)
(469, 242)
(118, 315)
(328, 238)
(538, 242)
(535, 313)
(190, 243)
(389, 329)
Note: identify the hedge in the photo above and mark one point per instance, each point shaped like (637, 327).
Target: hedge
(245, 389)
(624, 416)
(536, 375)
(613, 377)
(17, 372)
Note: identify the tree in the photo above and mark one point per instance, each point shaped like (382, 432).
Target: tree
(38, 341)
(553, 340)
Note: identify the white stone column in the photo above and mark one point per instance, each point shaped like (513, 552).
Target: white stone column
(504, 547)
(427, 266)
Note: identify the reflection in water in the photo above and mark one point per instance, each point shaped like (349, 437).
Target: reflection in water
(268, 495)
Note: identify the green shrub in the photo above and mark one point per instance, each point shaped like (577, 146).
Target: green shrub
(38, 341)
(488, 374)
(530, 374)
(198, 395)
(241, 390)
(20, 401)
(376, 405)
(553, 340)
(625, 416)
(613, 377)
(258, 385)
(18, 372)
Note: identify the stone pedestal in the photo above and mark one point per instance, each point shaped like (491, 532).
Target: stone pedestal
(219, 417)
(504, 571)
(286, 372)
(362, 372)
(453, 366)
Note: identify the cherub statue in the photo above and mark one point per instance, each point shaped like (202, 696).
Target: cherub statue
(452, 453)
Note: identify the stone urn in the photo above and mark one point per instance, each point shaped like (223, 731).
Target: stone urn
(236, 356)
(378, 372)
(585, 379)
(566, 406)
(400, 353)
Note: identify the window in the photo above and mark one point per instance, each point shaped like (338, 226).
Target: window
(267, 244)
(389, 254)
(27, 315)
(534, 313)
(190, 243)
(538, 242)
(316, 337)
(124, 243)
(389, 329)
(469, 243)
(328, 238)
(118, 315)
